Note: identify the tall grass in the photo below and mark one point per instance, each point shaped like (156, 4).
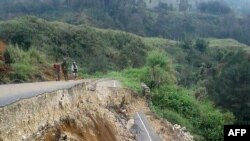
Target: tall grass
(25, 64)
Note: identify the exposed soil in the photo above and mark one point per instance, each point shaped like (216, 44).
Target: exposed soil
(94, 119)
(2, 46)
(85, 113)
(4, 69)
(101, 130)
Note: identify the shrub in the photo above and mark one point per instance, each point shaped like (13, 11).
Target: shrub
(201, 45)
(25, 64)
(159, 70)
(7, 57)
(206, 121)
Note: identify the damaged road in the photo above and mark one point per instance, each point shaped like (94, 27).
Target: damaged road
(13, 92)
(84, 110)
(143, 130)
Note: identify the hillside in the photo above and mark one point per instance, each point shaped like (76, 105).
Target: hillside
(184, 76)
(93, 49)
(188, 59)
(239, 6)
(134, 17)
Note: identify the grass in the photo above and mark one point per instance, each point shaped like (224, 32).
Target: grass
(158, 42)
(174, 117)
(225, 43)
(130, 78)
(26, 64)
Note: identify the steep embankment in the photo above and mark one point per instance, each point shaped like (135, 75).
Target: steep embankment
(90, 111)
(74, 112)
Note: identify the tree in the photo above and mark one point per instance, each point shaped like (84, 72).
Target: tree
(187, 43)
(163, 7)
(184, 5)
(230, 88)
(160, 70)
(214, 7)
(201, 45)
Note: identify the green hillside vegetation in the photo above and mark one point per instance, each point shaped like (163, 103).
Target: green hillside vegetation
(158, 42)
(184, 76)
(93, 49)
(25, 65)
(136, 17)
(203, 72)
(176, 104)
(225, 43)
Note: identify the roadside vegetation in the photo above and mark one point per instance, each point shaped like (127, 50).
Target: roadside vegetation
(24, 66)
(93, 49)
(177, 104)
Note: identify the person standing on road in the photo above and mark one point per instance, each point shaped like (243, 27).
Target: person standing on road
(74, 70)
(65, 69)
(57, 69)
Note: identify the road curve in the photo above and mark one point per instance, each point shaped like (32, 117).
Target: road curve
(13, 92)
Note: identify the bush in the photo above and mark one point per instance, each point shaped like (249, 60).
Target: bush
(7, 57)
(201, 45)
(25, 64)
(159, 70)
(174, 117)
(187, 44)
(200, 118)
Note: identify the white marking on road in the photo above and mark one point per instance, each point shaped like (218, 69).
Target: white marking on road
(114, 83)
(144, 127)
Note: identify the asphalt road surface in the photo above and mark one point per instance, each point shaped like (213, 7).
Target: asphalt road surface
(143, 130)
(13, 92)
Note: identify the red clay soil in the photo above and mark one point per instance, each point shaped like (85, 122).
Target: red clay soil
(2, 46)
(3, 68)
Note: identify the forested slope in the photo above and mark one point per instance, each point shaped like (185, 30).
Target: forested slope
(136, 17)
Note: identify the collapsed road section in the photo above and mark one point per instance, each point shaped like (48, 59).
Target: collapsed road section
(143, 130)
(85, 110)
